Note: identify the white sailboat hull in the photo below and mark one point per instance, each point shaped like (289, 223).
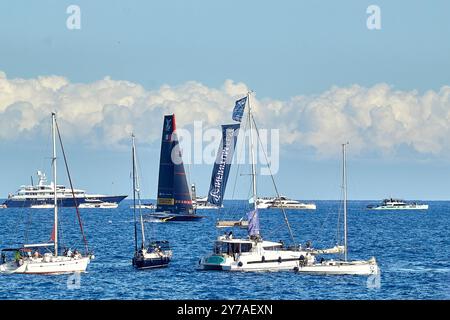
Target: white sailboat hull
(47, 265)
(369, 267)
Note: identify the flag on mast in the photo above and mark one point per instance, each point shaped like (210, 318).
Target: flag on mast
(238, 110)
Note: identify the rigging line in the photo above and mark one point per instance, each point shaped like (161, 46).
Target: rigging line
(238, 160)
(321, 229)
(272, 231)
(46, 150)
(27, 224)
(273, 181)
(71, 187)
(340, 212)
(60, 231)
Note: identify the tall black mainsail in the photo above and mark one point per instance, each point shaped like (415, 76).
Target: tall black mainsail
(173, 191)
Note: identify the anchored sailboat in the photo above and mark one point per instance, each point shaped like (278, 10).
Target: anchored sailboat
(39, 258)
(157, 254)
(358, 267)
(174, 201)
(251, 253)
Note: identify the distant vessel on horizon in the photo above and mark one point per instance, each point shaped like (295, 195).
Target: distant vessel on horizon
(282, 201)
(200, 202)
(42, 194)
(397, 204)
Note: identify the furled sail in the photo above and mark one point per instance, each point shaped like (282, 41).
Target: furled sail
(173, 190)
(222, 164)
(253, 223)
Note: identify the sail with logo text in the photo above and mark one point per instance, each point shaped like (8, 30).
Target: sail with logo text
(174, 200)
(250, 253)
(221, 171)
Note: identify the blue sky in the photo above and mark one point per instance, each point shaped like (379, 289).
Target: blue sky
(280, 49)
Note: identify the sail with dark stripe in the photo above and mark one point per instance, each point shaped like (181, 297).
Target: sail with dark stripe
(222, 164)
(173, 190)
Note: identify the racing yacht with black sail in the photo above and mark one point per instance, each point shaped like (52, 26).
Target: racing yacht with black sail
(174, 200)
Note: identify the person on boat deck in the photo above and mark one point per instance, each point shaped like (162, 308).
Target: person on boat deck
(308, 244)
(36, 254)
(230, 235)
(17, 256)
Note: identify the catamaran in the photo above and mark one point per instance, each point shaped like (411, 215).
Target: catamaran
(356, 267)
(174, 201)
(251, 253)
(398, 204)
(38, 258)
(156, 254)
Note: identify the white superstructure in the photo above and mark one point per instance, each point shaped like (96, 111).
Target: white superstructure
(283, 202)
(398, 204)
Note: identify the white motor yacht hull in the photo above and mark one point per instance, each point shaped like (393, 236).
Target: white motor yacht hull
(301, 206)
(412, 207)
(47, 265)
(276, 260)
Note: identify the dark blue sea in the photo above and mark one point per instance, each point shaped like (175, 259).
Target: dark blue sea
(412, 249)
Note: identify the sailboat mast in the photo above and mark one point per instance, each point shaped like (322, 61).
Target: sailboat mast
(134, 191)
(344, 186)
(252, 152)
(137, 189)
(55, 196)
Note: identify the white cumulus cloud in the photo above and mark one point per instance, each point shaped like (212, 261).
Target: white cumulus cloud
(105, 112)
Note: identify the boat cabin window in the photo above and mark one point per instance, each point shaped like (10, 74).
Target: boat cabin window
(231, 248)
